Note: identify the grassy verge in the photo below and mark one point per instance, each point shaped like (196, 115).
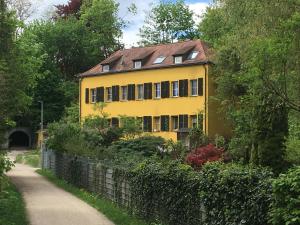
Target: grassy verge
(110, 210)
(31, 158)
(12, 207)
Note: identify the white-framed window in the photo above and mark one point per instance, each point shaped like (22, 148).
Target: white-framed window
(156, 122)
(194, 121)
(159, 60)
(124, 93)
(140, 91)
(175, 90)
(105, 68)
(137, 64)
(174, 122)
(157, 90)
(109, 94)
(194, 87)
(93, 95)
(177, 59)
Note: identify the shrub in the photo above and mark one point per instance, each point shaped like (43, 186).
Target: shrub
(197, 138)
(166, 192)
(176, 150)
(233, 194)
(202, 155)
(5, 165)
(285, 207)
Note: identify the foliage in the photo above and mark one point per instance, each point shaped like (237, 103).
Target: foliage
(5, 166)
(117, 215)
(293, 141)
(70, 9)
(255, 68)
(166, 22)
(131, 127)
(176, 150)
(234, 194)
(219, 141)
(166, 192)
(210, 153)
(12, 207)
(286, 198)
(197, 138)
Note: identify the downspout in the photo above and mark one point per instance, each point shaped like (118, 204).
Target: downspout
(205, 100)
(80, 81)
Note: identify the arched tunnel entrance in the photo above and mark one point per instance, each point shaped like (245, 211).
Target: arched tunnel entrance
(19, 139)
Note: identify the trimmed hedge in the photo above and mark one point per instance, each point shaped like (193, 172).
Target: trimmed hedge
(173, 193)
(285, 207)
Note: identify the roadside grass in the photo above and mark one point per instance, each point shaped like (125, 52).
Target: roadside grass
(31, 158)
(114, 213)
(12, 207)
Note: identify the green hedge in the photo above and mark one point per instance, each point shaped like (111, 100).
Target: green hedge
(285, 207)
(173, 193)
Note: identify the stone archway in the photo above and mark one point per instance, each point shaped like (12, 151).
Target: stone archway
(18, 138)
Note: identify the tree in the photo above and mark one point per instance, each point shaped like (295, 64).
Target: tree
(70, 9)
(257, 70)
(167, 22)
(23, 8)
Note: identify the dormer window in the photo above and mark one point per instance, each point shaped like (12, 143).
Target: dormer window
(105, 68)
(137, 64)
(159, 60)
(178, 59)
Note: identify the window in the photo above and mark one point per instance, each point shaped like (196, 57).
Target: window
(175, 88)
(194, 87)
(164, 123)
(147, 90)
(183, 121)
(194, 121)
(137, 64)
(115, 122)
(147, 123)
(157, 90)
(124, 92)
(183, 88)
(87, 95)
(140, 90)
(159, 60)
(174, 122)
(93, 95)
(193, 55)
(156, 126)
(105, 68)
(177, 59)
(108, 94)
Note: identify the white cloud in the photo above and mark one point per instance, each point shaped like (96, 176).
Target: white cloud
(198, 8)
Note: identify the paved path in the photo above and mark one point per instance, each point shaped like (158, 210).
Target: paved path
(47, 204)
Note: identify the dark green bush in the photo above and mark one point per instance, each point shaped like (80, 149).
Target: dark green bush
(172, 193)
(166, 192)
(234, 194)
(285, 207)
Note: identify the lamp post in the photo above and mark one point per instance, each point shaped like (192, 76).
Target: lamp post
(42, 123)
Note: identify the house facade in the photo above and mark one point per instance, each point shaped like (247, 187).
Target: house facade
(168, 87)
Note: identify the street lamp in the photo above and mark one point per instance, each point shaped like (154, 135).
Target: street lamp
(42, 123)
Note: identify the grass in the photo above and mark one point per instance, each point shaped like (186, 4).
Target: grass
(31, 158)
(12, 207)
(116, 214)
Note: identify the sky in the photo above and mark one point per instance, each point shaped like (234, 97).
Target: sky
(42, 8)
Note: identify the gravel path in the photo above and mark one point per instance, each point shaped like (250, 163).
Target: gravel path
(47, 204)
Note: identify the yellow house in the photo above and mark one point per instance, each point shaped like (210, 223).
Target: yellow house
(169, 87)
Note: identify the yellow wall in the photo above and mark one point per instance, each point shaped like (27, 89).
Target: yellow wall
(151, 107)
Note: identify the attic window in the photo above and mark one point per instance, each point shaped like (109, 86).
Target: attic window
(137, 64)
(193, 55)
(105, 68)
(178, 59)
(159, 60)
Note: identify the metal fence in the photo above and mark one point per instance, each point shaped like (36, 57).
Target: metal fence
(89, 174)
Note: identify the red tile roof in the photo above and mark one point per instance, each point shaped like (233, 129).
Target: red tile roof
(123, 60)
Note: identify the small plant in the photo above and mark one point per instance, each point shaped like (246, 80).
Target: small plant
(202, 155)
(197, 138)
(176, 150)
